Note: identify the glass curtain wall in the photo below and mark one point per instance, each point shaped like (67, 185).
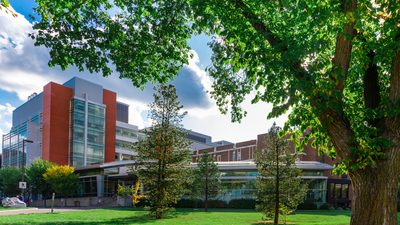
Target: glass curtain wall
(12, 143)
(88, 132)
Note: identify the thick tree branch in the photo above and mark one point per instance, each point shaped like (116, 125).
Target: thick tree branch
(341, 59)
(338, 128)
(393, 123)
(275, 42)
(394, 94)
(339, 132)
(333, 120)
(257, 24)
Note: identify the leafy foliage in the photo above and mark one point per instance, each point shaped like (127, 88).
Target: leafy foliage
(287, 52)
(206, 182)
(4, 3)
(36, 179)
(163, 156)
(131, 191)
(9, 181)
(279, 187)
(62, 179)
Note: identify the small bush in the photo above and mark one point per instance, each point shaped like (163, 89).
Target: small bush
(142, 202)
(307, 206)
(242, 204)
(325, 206)
(216, 204)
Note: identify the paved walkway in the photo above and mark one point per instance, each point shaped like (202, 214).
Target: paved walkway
(37, 210)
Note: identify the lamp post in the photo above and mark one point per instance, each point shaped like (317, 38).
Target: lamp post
(23, 157)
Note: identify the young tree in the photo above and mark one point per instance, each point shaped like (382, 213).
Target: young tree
(280, 188)
(35, 177)
(206, 179)
(62, 180)
(163, 156)
(9, 181)
(335, 64)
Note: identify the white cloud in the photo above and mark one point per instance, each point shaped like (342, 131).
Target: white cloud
(5, 119)
(136, 112)
(220, 127)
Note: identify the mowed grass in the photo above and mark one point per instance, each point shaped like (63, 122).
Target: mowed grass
(178, 217)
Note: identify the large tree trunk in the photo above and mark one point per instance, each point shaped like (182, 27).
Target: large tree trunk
(375, 192)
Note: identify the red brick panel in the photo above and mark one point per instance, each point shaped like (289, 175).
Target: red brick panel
(246, 143)
(244, 153)
(225, 147)
(110, 100)
(56, 116)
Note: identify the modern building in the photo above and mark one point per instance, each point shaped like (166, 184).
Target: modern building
(202, 141)
(78, 123)
(239, 180)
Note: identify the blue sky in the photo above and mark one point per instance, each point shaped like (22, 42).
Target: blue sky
(24, 70)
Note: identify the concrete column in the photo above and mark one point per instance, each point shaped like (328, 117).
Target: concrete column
(100, 185)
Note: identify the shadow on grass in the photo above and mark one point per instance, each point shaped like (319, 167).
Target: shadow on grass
(142, 219)
(187, 210)
(137, 219)
(327, 215)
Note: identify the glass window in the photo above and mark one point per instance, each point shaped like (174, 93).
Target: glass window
(345, 190)
(331, 190)
(338, 190)
(96, 110)
(126, 132)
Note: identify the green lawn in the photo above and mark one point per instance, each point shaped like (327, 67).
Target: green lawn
(2, 208)
(179, 217)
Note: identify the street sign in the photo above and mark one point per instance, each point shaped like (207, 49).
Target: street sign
(22, 185)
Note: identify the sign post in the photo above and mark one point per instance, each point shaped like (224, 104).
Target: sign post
(22, 185)
(52, 201)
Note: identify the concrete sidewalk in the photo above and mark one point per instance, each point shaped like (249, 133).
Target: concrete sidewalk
(37, 210)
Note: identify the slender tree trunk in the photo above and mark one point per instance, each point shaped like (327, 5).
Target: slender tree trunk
(206, 190)
(206, 195)
(276, 217)
(375, 192)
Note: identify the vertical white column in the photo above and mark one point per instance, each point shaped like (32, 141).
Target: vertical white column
(86, 130)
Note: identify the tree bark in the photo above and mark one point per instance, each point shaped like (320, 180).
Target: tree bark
(375, 192)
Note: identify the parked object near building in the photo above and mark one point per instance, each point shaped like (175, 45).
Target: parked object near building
(13, 202)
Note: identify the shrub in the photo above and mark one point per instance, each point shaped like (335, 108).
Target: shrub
(242, 204)
(325, 206)
(307, 206)
(216, 204)
(190, 203)
(142, 202)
